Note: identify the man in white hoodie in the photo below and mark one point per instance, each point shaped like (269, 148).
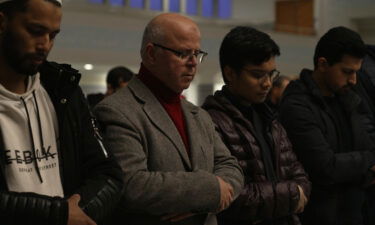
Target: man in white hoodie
(53, 166)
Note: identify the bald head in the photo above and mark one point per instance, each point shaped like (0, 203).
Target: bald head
(170, 48)
(168, 27)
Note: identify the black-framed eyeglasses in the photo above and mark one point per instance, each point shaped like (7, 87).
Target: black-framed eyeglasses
(184, 55)
(262, 75)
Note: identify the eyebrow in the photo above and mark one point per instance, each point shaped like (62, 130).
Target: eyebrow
(41, 27)
(349, 69)
(259, 70)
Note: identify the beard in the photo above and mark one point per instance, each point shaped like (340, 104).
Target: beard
(345, 89)
(20, 62)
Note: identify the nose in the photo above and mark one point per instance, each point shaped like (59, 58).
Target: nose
(353, 79)
(193, 60)
(43, 43)
(267, 83)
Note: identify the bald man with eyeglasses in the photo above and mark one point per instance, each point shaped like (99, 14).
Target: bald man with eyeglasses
(177, 169)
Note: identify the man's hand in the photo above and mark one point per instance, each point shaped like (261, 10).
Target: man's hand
(226, 194)
(76, 215)
(373, 172)
(302, 201)
(177, 217)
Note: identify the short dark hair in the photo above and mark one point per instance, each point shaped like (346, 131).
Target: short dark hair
(10, 7)
(119, 74)
(336, 43)
(246, 45)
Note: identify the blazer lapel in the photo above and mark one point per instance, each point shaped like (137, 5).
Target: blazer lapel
(194, 130)
(159, 117)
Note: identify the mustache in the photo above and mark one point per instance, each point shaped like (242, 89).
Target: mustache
(38, 56)
(348, 86)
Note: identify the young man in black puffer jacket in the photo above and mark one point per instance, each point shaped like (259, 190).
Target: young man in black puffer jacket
(276, 185)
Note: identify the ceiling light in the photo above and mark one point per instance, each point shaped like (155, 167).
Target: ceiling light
(88, 66)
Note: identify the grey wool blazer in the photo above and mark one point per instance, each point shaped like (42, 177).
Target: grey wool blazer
(159, 177)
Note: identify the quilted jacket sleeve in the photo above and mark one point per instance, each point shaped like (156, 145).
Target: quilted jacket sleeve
(29, 208)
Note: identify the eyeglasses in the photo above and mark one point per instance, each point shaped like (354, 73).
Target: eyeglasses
(184, 55)
(262, 75)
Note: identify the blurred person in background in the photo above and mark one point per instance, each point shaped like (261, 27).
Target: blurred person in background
(276, 92)
(117, 78)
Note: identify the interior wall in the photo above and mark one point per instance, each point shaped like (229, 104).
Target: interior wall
(330, 13)
(254, 11)
(107, 37)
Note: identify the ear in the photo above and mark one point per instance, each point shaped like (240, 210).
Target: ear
(3, 21)
(229, 74)
(150, 53)
(322, 64)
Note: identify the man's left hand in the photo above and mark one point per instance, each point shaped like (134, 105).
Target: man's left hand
(177, 217)
(302, 201)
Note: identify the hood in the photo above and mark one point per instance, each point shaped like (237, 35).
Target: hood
(32, 85)
(302, 86)
(18, 108)
(305, 85)
(220, 102)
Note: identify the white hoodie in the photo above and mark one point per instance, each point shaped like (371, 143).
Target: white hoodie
(32, 161)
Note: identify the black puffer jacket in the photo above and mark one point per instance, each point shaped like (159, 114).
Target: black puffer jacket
(338, 195)
(260, 200)
(85, 167)
(366, 88)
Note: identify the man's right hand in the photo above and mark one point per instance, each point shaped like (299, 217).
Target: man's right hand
(76, 215)
(373, 171)
(302, 201)
(226, 194)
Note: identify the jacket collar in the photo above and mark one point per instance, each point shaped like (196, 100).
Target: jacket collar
(350, 100)
(225, 101)
(59, 79)
(160, 118)
(157, 87)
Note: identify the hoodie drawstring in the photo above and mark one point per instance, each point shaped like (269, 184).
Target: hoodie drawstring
(32, 135)
(39, 121)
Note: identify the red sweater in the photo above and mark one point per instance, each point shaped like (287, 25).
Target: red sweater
(170, 100)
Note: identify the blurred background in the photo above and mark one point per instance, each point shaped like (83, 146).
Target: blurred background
(97, 35)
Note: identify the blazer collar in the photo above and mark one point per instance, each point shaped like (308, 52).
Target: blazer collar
(159, 117)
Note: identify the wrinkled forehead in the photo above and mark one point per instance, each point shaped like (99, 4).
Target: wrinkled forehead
(2, 1)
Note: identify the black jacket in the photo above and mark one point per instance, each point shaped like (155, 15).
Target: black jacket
(85, 167)
(262, 199)
(366, 89)
(366, 78)
(339, 191)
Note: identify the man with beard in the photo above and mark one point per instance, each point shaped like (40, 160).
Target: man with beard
(176, 168)
(331, 130)
(54, 168)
